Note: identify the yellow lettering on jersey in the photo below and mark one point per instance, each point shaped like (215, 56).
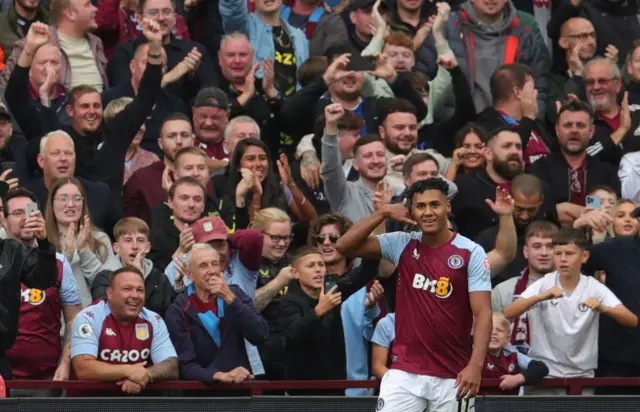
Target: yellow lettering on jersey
(264, 273)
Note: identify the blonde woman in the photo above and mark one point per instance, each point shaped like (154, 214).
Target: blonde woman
(273, 283)
(70, 230)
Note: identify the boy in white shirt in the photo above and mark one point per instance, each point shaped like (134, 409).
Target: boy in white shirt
(564, 308)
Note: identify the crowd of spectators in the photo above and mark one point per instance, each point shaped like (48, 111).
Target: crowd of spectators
(193, 164)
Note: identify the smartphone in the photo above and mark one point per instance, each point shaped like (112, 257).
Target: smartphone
(31, 208)
(7, 166)
(330, 280)
(358, 63)
(593, 202)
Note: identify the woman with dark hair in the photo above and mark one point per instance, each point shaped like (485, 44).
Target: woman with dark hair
(70, 230)
(250, 170)
(469, 154)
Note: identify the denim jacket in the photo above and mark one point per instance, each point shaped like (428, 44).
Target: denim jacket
(236, 18)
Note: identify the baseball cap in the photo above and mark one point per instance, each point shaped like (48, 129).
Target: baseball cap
(209, 228)
(361, 4)
(212, 97)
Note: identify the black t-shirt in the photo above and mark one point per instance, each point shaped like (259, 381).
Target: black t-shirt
(299, 21)
(285, 62)
(24, 23)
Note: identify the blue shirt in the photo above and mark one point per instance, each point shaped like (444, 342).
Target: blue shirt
(69, 295)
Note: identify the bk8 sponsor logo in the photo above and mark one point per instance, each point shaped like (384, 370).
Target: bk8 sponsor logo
(33, 296)
(441, 287)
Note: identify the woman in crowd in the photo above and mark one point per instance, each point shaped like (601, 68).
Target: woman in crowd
(469, 153)
(70, 230)
(252, 155)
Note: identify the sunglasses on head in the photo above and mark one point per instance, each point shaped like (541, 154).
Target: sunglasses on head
(333, 238)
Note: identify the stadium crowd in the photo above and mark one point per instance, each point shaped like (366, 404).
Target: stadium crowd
(227, 190)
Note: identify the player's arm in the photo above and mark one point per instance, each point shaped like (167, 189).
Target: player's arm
(506, 244)
(379, 357)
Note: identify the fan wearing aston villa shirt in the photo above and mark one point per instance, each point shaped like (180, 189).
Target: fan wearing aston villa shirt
(443, 284)
(118, 340)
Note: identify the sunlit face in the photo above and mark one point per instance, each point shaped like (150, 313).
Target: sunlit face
(474, 151)
(129, 245)
(422, 171)
(539, 253)
(430, 211)
(504, 152)
(499, 333)
(569, 258)
(277, 238)
(204, 267)
(194, 165)
(83, 13)
(602, 87)
(126, 296)
(401, 58)
(371, 161)
(310, 271)
(326, 243)
(163, 13)
(86, 113)
(47, 54)
(525, 208)
(241, 131)
(188, 203)
(59, 157)
(209, 123)
(623, 223)
(14, 223)
(175, 135)
(400, 132)
(68, 203)
(236, 59)
(608, 201)
(255, 159)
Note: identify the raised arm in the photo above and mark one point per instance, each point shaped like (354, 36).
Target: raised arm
(522, 305)
(507, 238)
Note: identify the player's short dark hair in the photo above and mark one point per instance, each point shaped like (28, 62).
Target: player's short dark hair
(15, 193)
(568, 236)
(540, 228)
(575, 106)
(507, 77)
(527, 185)
(421, 186)
(365, 140)
(415, 159)
(302, 252)
(124, 269)
(604, 188)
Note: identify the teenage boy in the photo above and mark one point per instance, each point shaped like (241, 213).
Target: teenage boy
(131, 246)
(564, 309)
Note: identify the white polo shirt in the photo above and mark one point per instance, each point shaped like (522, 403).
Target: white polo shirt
(564, 331)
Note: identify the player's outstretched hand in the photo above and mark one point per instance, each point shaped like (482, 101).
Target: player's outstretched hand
(398, 212)
(468, 382)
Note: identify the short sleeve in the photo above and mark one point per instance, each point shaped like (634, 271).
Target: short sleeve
(533, 290)
(479, 272)
(161, 345)
(393, 244)
(85, 333)
(606, 296)
(385, 331)
(69, 294)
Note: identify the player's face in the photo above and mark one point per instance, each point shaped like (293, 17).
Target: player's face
(499, 334)
(326, 243)
(129, 245)
(126, 297)
(429, 209)
(204, 266)
(539, 253)
(310, 271)
(569, 258)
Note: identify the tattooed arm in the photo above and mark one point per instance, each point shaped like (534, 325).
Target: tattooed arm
(265, 294)
(167, 370)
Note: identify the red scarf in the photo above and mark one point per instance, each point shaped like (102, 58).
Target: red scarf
(520, 332)
(578, 184)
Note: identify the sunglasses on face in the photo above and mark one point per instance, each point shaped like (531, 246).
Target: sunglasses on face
(333, 238)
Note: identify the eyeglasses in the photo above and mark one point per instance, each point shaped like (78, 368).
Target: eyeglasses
(603, 81)
(333, 238)
(64, 199)
(20, 213)
(157, 12)
(278, 238)
(583, 36)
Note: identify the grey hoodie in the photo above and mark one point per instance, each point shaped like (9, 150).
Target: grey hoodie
(490, 42)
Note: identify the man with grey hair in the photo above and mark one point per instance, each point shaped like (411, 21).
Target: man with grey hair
(206, 352)
(240, 128)
(612, 121)
(57, 159)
